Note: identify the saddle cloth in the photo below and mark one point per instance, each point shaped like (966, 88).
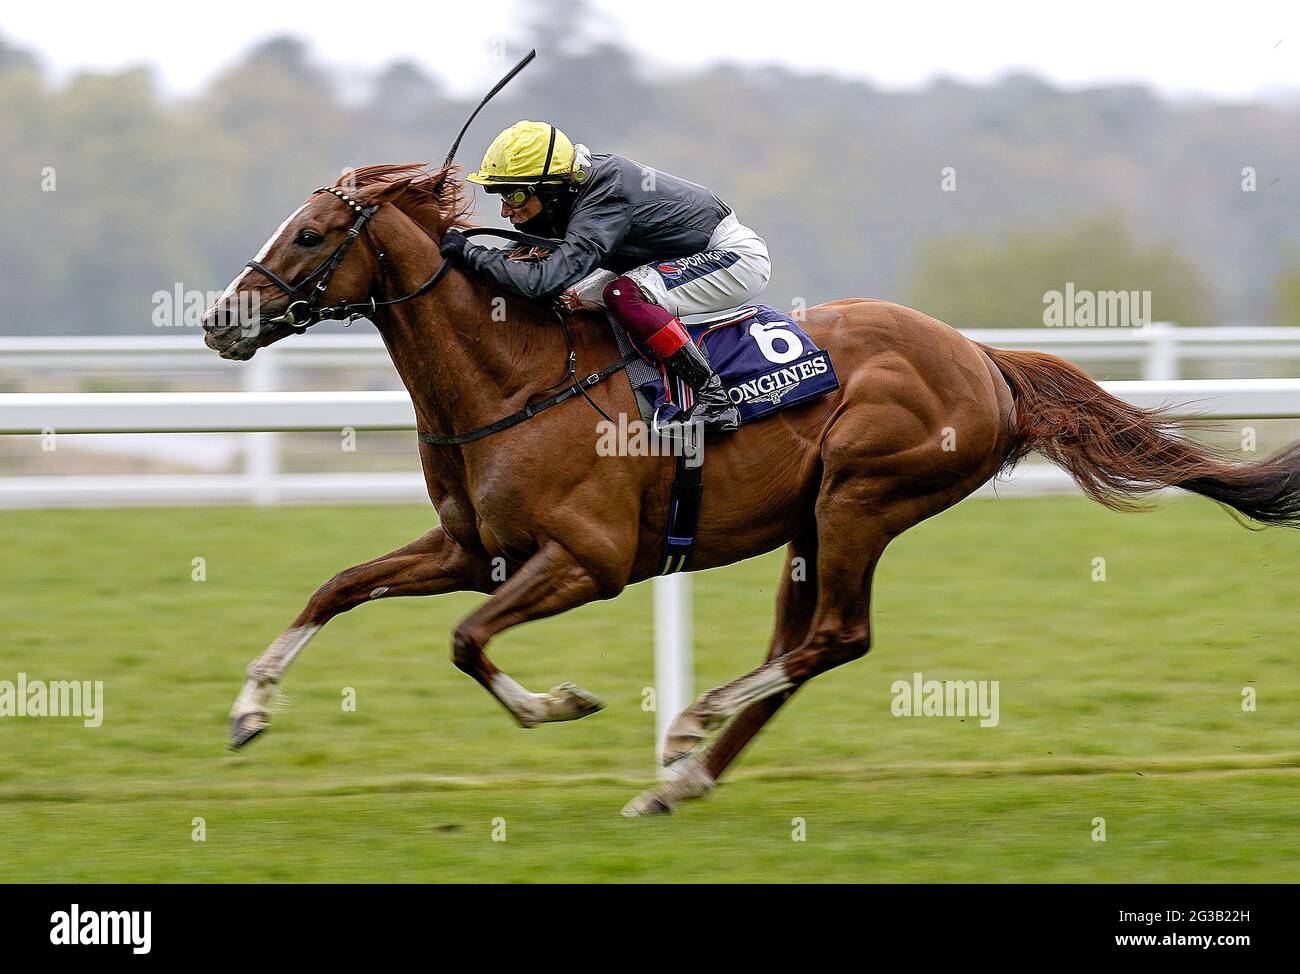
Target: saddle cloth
(765, 360)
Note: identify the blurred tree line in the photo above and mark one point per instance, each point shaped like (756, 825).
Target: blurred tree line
(970, 202)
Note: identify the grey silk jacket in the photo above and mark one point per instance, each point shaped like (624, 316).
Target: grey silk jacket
(624, 215)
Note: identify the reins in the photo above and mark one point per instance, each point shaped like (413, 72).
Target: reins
(304, 312)
(574, 386)
(350, 311)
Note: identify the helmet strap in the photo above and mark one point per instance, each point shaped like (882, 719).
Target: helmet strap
(550, 151)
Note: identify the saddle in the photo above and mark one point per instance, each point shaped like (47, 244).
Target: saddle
(765, 359)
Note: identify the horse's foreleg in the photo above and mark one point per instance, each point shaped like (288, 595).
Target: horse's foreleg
(429, 565)
(796, 599)
(548, 583)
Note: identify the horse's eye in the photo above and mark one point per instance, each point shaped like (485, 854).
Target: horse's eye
(309, 238)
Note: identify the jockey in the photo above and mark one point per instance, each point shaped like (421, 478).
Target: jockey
(646, 245)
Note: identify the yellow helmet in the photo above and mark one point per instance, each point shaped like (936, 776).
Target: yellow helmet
(529, 152)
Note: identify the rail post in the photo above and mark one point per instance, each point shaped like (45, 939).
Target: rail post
(1161, 363)
(262, 450)
(673, 665)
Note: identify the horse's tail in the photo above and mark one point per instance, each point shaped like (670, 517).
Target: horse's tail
(1117, 452)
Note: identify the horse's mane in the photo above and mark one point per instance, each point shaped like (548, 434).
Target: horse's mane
(435, 198)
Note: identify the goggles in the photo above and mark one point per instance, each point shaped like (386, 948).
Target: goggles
(516, 195)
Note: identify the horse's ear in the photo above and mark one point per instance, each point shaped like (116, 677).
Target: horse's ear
(384, 191)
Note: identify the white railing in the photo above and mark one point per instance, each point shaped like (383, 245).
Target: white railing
(235, 412)
(1160, 348)
(1159, 352)
(61, 414)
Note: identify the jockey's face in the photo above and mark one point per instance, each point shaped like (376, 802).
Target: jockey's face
(522, 213)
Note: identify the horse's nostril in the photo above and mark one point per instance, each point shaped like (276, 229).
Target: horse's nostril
(216, 318)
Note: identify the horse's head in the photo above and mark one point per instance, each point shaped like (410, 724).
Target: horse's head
(322, 262)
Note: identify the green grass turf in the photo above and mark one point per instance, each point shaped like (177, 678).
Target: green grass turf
(1119, 699)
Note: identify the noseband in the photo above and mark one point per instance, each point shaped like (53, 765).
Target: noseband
(304, 312)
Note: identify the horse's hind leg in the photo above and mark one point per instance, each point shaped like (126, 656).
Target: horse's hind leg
(851, 537)
(430, 565)
(796, 599)
(550, 582)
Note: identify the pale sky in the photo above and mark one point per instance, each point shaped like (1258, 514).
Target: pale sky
(1226, 49)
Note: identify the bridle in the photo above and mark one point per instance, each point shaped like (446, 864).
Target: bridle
(350, 311)
(311, 312)
(302, 313)
(305, 312)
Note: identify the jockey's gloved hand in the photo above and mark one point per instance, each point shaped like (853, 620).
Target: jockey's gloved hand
(453, 244)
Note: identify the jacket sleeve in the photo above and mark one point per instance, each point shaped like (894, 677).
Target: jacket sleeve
(598, 225)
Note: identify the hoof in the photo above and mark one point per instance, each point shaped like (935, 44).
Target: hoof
(645, 804)
(245, 727)
(570, 702)
(565, 702)
(691, 780)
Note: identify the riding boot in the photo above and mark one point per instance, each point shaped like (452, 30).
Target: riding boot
(712, 406)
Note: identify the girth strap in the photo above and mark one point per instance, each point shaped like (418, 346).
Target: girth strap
(683, 512)
(532, 409)
(578, 387)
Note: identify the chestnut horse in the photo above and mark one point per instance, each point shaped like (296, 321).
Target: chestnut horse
(922, 418)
